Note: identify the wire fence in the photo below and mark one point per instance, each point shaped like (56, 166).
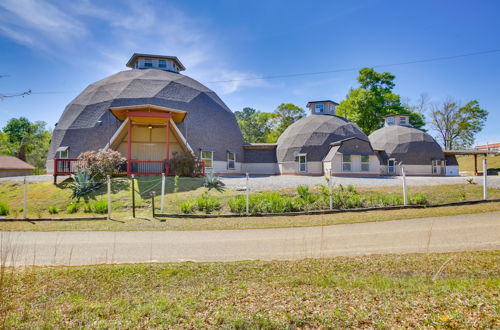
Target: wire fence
(160, 196)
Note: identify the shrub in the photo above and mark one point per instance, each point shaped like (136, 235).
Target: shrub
(188, 207)
(73, 208)
(237, 205)
(418, 199)
(87, 208)
(100, 207)
(351, 189)
(207, 204)
(4, 209)
(303, 191)
(99, 163)
(184, 163)
(53, 210)
(82, 184)
(212, 181)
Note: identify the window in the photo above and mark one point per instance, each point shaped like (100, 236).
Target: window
(63, 154)
(208, 158)
(391, 166)
(346, 163)
(302, 163)
(390, 121)
(162, 64)
(332, 108)
(231, 160)
(402, 120)
(437, 167)
(365, 163)
(319, 108)
(148, 63)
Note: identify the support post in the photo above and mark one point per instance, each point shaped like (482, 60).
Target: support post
(25, 199)
(331, 190)
(485, 179)
(167, 151)
(162, 199)
(108, 178)
(153, 194)
(247, 210)
(405, 196)
(129, 146)
(475, 165)
(133, 196)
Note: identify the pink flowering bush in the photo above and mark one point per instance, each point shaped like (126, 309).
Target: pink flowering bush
(98, 164)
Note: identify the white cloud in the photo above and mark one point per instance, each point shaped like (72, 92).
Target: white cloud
(103, 35)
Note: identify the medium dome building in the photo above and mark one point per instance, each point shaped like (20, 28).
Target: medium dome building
(323, 141)
(400, 144)
(149, 113)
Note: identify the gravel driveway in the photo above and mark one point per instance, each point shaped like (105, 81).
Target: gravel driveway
(291, 181)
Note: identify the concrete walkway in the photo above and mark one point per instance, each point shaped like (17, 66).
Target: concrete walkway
(454, 233)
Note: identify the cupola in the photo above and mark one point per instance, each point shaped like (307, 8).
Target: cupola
(160, 62)
(397, 119)
(326, 107)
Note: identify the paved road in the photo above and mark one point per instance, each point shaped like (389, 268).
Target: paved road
(455, 233)
(292, 181)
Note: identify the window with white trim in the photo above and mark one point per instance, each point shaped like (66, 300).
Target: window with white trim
(391, 166)
(346, 163)
(148, 63)
(332, 108)
(208, 158)
(365, 163)
(63, 152)
(402, 120)
(162, 64)
(390, 121)
(302, 163)
(319, 108)
(231, 160)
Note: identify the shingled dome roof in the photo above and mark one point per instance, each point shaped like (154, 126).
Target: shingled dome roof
(406, 144)
(313, 135)
(87, 123)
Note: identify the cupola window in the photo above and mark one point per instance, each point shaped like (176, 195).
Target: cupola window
(320, 108)
(162, 64)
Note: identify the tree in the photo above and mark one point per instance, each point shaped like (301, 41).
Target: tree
(26, 140)
(373, 99)
(254, 125)
(285, 115)
(457, 125)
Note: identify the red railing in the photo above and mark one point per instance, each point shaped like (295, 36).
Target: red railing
(67, 166)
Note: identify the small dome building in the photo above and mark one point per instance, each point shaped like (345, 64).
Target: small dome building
(321, 142)
(399, 144)
(149, 113)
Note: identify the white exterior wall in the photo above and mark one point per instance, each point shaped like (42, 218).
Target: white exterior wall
(221, 167)
(452, 170)
(260, 168)
(313, 168)
(414, 170)
(156, 64)
(336, 165)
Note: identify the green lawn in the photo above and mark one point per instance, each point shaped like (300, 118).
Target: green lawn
(455, 290)
(43, 195)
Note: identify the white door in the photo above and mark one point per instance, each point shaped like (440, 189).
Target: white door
(391, 166)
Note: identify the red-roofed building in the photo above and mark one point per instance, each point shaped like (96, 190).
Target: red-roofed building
(12, 166)
(489, 147)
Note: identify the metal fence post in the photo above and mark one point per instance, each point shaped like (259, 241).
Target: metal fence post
(247, 193)
(331, 190)
(405, 197)
(109, 196)
(25, 199)
(485, 179)
(162, 200)
(133, 196)
(153, 194)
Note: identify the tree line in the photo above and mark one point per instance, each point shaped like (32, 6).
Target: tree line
(26, 140)
(455, 125)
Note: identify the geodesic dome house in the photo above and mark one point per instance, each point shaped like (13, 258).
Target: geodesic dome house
(149, 113)
(402, 145)
(303, 146)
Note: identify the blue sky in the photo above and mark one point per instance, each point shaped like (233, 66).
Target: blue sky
(56, 48)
